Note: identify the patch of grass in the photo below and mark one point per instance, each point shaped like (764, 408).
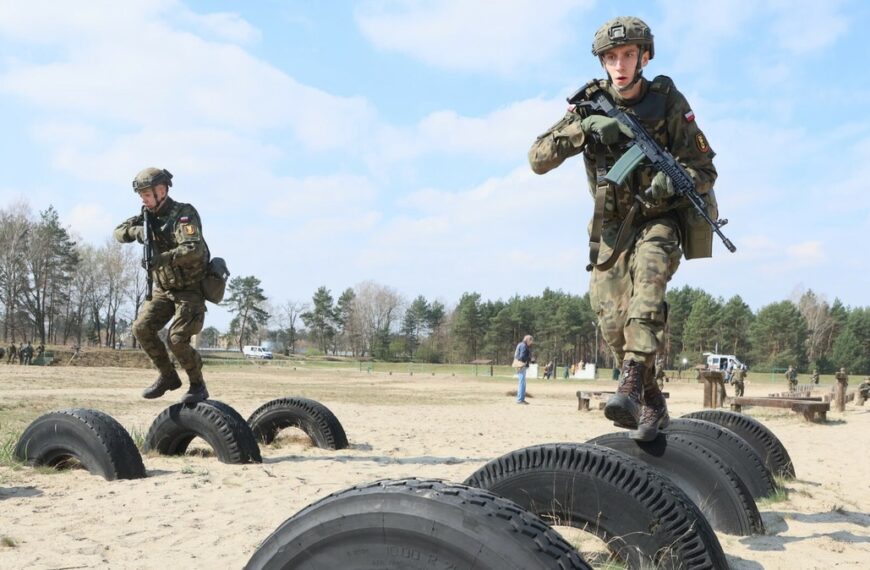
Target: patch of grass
(138, 436)
(839, 509)
(779, 496)
(8, 441)
(187, 470)
(8, 542)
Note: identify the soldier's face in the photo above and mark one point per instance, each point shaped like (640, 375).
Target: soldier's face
(152, 196)
(620, 63)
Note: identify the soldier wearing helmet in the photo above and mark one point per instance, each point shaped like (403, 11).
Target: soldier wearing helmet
(179, 264)
(639, 230)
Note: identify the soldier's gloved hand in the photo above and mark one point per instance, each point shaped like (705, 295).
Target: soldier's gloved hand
(662, 188)
(605, 129)
(137, 233)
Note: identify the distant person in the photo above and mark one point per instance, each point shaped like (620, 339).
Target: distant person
(863, 392)
(179, 265)
(815, 376)
(738, 380)
(548, 370)
(522, 359)
(791, 378)
(13, 353)
(27, 354)
(567, 373)
(660, 374)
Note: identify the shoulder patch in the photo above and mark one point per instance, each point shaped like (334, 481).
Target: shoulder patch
(189, 229)
(701, 141)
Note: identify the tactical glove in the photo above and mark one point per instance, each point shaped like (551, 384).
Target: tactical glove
(137, 233)
(662, 188)
(605, 129)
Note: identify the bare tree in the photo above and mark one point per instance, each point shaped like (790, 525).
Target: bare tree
(114, 263)
(15, 224)
(376, 308)
(820, 324)
(287, 317)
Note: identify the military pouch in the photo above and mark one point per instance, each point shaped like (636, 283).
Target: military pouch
(695, 233)
(214, 283)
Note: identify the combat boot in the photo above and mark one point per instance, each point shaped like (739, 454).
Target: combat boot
(653, 417)
(623, 408)
(164, 383)
(196, 393)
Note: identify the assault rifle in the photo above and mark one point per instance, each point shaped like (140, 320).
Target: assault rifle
(147, 253)
(644, 146)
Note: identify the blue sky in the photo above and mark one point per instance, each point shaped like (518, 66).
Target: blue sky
(328, 143)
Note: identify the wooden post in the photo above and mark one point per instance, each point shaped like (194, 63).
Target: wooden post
(840, 396)
(714, 389)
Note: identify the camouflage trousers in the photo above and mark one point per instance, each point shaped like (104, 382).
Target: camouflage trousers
(629, 298)
(186, 308)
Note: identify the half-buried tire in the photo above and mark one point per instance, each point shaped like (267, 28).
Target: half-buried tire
(215, 422)
(711, 484)
(732, 450)
(643, 517)
(312, 417)
(756, 434)
(89, 438)
(414, 524)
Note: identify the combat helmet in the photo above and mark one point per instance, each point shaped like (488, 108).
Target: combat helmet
(151, 177)
(621, 31)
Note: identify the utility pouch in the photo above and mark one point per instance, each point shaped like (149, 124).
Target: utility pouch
(214, 283)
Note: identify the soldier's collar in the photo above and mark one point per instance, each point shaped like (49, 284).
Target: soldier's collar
(623, 102)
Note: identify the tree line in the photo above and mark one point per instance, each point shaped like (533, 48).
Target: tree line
(56, 290)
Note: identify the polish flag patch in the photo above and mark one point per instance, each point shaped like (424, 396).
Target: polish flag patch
(183, 219)
(690, 116)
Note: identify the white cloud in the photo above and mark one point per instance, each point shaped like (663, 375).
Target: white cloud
(320, 195)
(90, 221)
(471, 36)
(225, 25)
(807, 26)
(806, 253)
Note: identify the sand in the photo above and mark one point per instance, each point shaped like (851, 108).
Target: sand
(195, 512)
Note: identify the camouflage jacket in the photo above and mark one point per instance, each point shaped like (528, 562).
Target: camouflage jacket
(739, 376)
(180, 253)
(791, 376)
(665, 114)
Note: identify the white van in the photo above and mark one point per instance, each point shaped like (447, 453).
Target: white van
(256, 352)
(721, 361)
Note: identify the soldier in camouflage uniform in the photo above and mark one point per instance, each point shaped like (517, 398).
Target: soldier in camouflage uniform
(630, 274)
(13, 353)
(738, 380)
(791, 377)
(179, 263)
(815, 376)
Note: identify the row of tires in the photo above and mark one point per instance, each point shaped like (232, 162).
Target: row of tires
(652, 503)
(100, 444)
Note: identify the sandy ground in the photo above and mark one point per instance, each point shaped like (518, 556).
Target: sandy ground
(195, 512)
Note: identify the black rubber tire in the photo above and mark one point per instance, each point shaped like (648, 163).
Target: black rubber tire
(756, 434)
(711, 484)
(644, 518)
(414, 524)
(93, 438)
(732, 450)
(312, 417)
(215, 422)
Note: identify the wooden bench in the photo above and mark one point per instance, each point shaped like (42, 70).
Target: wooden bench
(809, 409)
(584, 396)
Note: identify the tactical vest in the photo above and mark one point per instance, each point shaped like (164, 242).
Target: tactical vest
(186, 271)
(696, 236)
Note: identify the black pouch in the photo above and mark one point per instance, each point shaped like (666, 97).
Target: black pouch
(214, 283)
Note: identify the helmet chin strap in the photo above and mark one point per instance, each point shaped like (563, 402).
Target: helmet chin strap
(158, 202)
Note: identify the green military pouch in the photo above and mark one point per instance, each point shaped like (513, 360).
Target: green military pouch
(214, 283)
(695, 233)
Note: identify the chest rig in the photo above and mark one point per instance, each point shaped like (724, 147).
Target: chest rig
(168, 235)
(620, 203)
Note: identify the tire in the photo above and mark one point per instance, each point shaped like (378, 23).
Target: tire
(414, 524)
(312, 417)
(732, 450)
(756, 434)
(645, 519)
(94, 439)
(711, 484)
(215, 422)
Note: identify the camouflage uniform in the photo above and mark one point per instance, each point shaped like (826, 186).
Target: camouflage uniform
(737, 380)
(180, 262)
(815, 376)
(629, 296)
(13, 353)
(791, 377)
